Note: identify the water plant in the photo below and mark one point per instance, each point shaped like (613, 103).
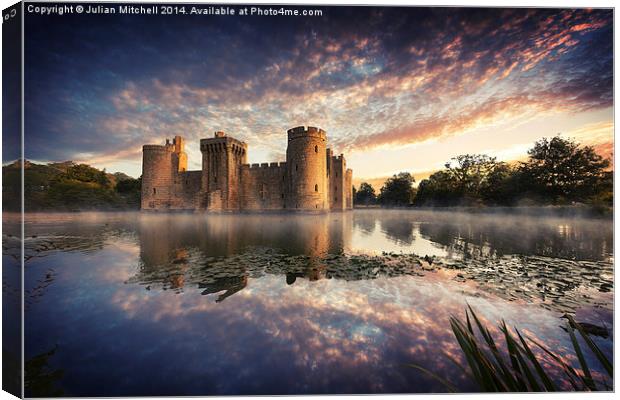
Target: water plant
(516, 368)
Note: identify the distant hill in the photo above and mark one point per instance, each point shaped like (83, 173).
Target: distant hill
(68, 186)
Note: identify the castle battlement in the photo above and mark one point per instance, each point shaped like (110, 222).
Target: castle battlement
(226, 182)
(158, 147)
(310, 131)
(271, 165)
(220, 143)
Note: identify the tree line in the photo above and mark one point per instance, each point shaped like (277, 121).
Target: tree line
(68, 186)
(558, 171)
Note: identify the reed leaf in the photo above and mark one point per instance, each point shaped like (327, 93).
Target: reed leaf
(593, 347)
(489, 368)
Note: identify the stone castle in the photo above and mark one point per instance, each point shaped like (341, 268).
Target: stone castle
(311, 178)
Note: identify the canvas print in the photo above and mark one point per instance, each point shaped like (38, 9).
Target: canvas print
(208, 199)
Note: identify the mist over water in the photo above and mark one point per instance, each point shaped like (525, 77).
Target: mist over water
(180, 304)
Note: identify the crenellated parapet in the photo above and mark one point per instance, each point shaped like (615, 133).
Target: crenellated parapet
(220, 143)
(272, 165)
(302, 131)
(311, 178)
(157, 148)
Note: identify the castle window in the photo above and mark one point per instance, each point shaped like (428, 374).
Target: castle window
(296, 167)
(154, 191)
(336, 198)
(316, 149)
(336, 188)
(316, 188)
(282, 195)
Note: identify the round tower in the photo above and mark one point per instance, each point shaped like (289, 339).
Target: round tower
(306, 169)
(157, 176)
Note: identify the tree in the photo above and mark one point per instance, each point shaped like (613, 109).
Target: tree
(561, 170)
(470, 173)
(465, 181)
(501, 186)
(129, 185)
(398, 190)
(86, 173)
(366, 194)
(438, 190)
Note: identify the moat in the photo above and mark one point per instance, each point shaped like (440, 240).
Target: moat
(182, 304)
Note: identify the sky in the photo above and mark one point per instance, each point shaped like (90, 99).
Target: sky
(396, 89)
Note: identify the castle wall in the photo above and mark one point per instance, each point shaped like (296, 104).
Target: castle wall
(306, 175)
(263, 186)
(221, 158)
(165, 180)
(337, 183)
(310, 180)
(157, 177)
(186, 187)
(348, 189)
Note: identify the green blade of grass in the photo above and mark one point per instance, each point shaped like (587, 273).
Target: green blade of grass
(469, 327)
(447, 384)
(588, 381)
(571, 374)
(474, 357)
(465, 347)
(486, 369)
(595, 349)
(518, 373)
(459, 365)
(547, 382)
(507, 377)
(513, 346)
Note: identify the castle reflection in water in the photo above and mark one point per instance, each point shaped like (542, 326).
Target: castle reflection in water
(221, 254)
(170, 247)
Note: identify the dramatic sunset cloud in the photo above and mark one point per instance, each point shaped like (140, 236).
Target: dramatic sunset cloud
(405, 88)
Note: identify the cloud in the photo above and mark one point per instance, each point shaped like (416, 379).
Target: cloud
(403, 76)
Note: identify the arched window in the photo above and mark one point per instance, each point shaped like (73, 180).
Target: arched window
(154, 191)
(316, 188)
(316, 149)
(296, 167)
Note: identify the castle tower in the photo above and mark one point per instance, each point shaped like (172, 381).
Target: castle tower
(179, 156)
(159, 166)
(306, 169)
(221, 158)
(339, 183)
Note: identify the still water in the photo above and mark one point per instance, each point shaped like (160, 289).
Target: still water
(135, 304)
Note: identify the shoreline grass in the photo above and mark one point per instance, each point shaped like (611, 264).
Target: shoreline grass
(514, 367)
